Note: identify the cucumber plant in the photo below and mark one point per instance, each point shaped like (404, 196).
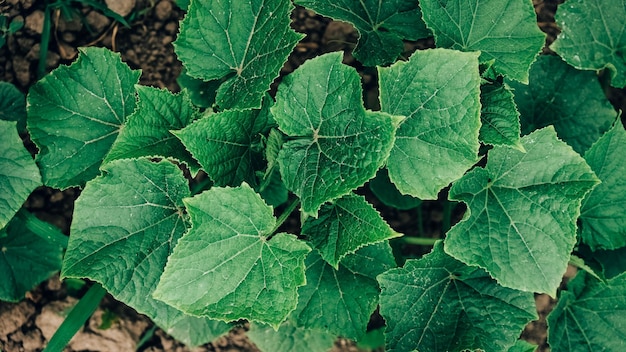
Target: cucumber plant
(528, 142)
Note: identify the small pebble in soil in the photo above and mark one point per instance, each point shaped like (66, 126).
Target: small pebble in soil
(34, 21)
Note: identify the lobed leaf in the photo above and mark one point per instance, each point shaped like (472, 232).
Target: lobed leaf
(290, 337)
(336, 145)
(522, 211)
(19, 175)
(589, 316)
(382, 25)
(147, 132)
(243, 42)
(439, 92)
(344, 226)
(499, 116)
(522, 346)
(572, 101)
(227, 266)
(341, 301)
(503, 31)
(592, 36)
(386, 192)
(26, 258)
(12, 105)
(437, 303)
(76, 112)
(226, 144)
(202, 93)
(126, 223)
(613, 262)
(603, 219)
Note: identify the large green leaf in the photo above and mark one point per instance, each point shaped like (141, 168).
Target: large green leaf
(499, 116)
(521, 221)
(571, 100)
(613, 262)
(342, 300)
(126, 223)
(227, 267)
(12, 105)
(522, 346)
(336, 144)
(386, 192)
(246, 42)
(437, 303)
(503, 31)
(76, 112)
(26, 258)
(227, 144)
(590, 316)
(603, 214)
(290, 338)
(439, 92)
(147, 132)
(202, 93)
(344, 226)
(381, 24)
(19, 175)
(592, 36)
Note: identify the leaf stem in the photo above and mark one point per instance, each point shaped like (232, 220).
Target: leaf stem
(281, 219)
(76, 319)
(419, 241)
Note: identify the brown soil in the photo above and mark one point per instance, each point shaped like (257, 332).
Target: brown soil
(147, 45)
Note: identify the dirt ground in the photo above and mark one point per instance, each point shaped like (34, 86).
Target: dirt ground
(147, 45)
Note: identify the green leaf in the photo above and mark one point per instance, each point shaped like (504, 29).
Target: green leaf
(76, 112)
(12, 105)
(499, 116)
(344, 226)
(273, 144)
(439, 93)
(289, 338)
(195, 331)
(19, 175)
(522, 346)
(370, 261)
(613, 262)
(603, 219)
(126, 223)
(373, 340)
(202, 93)
(225, 144)
(522, 211)
(437, 303)
(387, 192)
(592, 37)
(336, 144)
(273, 191)
(258, 278)
(341, 300)
(571, 100)
(382, 25)
(589, 316)
(147, 132)
(503, 31)
(26, 259)
(245, 42)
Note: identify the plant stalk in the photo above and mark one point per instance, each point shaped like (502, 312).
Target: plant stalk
(420, 241)
(283, 217)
